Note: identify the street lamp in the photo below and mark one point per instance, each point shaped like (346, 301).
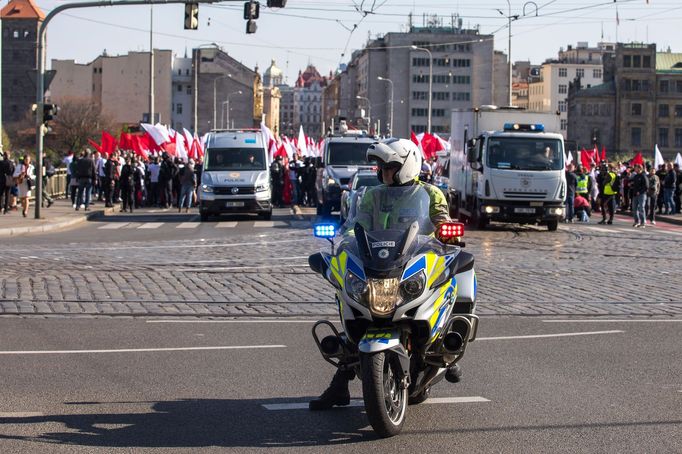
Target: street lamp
(390, 128)
(428, 121)
(227, 109)
(369, 113)
(214, 95)
(511, 17)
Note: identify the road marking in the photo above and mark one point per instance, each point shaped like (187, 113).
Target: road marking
(113, 225)
(20, 414)
(192, 246)
(151, 225)
(312, 320)
(542, 336)
(225, 225)
(599, 229)
(668, 232)
(361, 403)
(269, 224)
(188, 225)
(138, 350)
(674, 320)
(233, 268)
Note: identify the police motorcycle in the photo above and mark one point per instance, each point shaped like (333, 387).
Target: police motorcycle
(406, 301)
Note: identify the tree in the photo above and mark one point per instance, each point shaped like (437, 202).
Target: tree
(6, 145)
(77, 121)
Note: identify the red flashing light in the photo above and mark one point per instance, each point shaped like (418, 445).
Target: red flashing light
(451, 230)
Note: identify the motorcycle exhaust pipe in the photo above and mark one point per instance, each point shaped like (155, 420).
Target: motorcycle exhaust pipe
(331, 345)
(459, 331)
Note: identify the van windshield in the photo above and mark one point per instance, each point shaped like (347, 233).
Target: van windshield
(348, 154)
(234, 159)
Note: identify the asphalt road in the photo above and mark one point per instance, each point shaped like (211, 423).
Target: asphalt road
(618, 390)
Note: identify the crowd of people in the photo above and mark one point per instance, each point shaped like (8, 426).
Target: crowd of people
(641, 189)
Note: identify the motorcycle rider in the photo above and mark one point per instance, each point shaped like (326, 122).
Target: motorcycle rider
(399, 163)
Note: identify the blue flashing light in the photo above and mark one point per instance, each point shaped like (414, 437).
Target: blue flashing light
(324, 230)
(537, 127)
(249, 140)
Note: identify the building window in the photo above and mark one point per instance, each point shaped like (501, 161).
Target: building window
(636, 109)
(678, 86)
(663, 137)
(15, 34)
(563, 72)
(94, 70)
(563, 89)
(420, 61)
(646, 61)
(596, 73)
(678, 137)
(636, 137)
(580, 72)
(419, 95)
(418, 128)
(179, 72)
(441, 79)
(564, 124)
(663, 86)
(189, 89)
(562, 106)
(438, 112)
(420, 79)
(461, 80)
(441, 96)
(419, 112)
(636, 61)
(678, 110)
(663, 110)
(178, 109)
(179, 88)
(461, 63)
(461, 96)
(627, 61)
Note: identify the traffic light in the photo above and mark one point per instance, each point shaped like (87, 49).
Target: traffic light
(251, 10)
(49, 112)
(251, 27)
(276, 3)
(191, 16)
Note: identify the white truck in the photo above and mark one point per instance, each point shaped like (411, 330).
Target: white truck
(506, 166)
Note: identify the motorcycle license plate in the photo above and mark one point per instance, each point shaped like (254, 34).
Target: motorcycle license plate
(524, 210)
(234, 204)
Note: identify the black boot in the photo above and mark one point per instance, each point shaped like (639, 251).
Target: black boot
(336, 394)
(454, 373)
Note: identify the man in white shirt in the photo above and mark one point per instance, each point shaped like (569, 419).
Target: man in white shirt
(67, 162)
(153, 193)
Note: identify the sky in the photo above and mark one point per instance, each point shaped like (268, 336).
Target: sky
(325, 32)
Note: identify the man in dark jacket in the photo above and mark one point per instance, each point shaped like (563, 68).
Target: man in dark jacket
(167, 172)
(669, 184)
(111, 177)
(86, 172)
(639, 185)
(6, 180)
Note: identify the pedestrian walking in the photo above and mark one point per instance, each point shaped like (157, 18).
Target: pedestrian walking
(153, 192)
(7, 168)
(571, 186)
(669, 185)
(188, 182)
(639, 184)
(48, 173)
(609, 185)
(127, 183)
(86, 173)
(277, 179)
(25, 177)
(652, 194)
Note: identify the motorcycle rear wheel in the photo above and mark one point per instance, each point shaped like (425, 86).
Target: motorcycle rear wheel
(385, 398)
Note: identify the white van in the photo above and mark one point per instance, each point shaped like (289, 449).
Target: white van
(235, 175)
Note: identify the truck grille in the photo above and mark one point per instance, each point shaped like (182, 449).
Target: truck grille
(227, 190)
(525, 195)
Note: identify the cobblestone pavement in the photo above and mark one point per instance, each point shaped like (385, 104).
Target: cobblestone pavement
(521, 270)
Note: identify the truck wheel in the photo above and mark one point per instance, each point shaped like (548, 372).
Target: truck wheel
(552, 225)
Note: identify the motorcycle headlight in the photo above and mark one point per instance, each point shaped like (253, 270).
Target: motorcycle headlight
(413, 287)
(355, 287)
(382, 296)
(207, 188)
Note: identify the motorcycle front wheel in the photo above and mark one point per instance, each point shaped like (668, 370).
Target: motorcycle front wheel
(385, 397)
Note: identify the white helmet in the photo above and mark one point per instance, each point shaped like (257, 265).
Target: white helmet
(401, 151)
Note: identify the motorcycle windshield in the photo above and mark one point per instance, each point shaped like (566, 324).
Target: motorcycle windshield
(395, 221)
(391, 208)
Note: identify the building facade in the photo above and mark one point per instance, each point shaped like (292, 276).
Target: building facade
(308, 101)
(20, 22)
(182, 102)
(118, 84)
(638, 107)
(464, 68)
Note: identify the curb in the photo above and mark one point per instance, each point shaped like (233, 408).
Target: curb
(56, 225)
(669, 220)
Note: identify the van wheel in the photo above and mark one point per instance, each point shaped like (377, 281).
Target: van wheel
(552, 225)
(265, 216)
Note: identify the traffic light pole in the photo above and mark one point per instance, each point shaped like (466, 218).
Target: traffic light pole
(40, 69)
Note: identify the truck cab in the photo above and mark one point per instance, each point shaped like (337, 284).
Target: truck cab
(511, 175)
(235, 175)
(343, 155)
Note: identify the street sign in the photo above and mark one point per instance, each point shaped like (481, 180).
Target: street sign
(191, 16)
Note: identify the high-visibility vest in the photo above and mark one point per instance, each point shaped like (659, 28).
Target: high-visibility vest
(582, 184)
(608, 189)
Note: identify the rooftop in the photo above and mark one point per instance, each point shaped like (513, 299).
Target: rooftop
(669, 62)
(21, 9)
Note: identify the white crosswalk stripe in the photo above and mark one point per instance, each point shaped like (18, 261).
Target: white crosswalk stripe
(151, 225)
(269, 224)
(113, 225)
(188, 225)
(226, 225)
